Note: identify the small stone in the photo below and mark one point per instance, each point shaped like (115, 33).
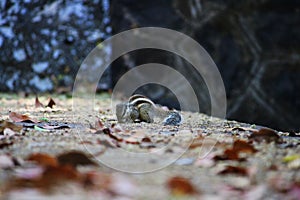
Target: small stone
(185, 161)
(40, 67)
(19, 55)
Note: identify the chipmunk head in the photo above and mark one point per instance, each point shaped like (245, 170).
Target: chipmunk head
(126, 113)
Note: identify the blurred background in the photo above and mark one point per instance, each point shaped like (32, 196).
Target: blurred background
(255, 44)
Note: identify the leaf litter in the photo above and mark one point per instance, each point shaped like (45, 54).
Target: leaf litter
(235, 158)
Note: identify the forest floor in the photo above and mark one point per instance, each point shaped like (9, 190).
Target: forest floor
(65, 152)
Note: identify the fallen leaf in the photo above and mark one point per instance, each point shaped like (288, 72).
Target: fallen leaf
(146, 142)
(108, 132)
(55, 174)
(38, 104)
(228, 154)
(265, 134)
(98, 125)
(43, 159)
(132, 140)
(243, 146)
(239, 146)
(51, 103)
(16, 117)
(51, 177)
(234, 170)
(181, 186)
(146, 139)
(5, 124)
(197, 142)
(291, 158)
(74, 158)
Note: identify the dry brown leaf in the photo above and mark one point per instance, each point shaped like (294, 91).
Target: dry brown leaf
(16, 117)
(51, 103)
(57, 173)
(43, 159)
(108, 132)
(52, 176)
(228, 154)
(38, 104)
(197, 142)
(74, 158)
(98, 125)
(5, 124)
(146, 139)
(234, 170)
(234, 152)
(146, 142)
(243, 146)
(265, 134)
(181, 186)
(132, 140)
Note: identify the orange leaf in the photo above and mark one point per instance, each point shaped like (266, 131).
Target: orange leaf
(16, 117)
(43, 159)
(243, 146)
(234, 170)
(38, 104)
(228, 154)
(181, 186)
(55, 175)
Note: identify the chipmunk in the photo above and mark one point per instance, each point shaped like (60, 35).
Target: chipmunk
(141, 108)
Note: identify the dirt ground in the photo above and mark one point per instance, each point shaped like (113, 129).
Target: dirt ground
(68, 152)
